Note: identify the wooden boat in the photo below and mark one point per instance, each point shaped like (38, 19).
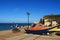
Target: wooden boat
(39, 29)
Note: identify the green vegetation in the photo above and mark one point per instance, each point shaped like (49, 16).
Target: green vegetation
(52, 17)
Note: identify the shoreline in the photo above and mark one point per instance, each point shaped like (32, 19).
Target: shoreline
(5, 30)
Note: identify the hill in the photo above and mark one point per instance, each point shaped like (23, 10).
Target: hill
(52, 17)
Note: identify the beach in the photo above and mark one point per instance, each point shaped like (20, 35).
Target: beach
(9, 35)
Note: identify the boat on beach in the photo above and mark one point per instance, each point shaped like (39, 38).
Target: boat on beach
(43, 27)
(39, 30)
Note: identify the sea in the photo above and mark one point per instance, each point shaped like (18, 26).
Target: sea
(6, 26)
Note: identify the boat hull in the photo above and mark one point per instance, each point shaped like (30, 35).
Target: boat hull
(39, 31)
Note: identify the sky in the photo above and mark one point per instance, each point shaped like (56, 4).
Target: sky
(14, 11)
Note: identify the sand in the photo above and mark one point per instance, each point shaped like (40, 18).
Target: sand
(9, 35)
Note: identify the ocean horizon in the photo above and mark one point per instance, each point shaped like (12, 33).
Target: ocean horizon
(6, 26)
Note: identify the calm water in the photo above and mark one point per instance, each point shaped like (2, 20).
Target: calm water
(6, 26)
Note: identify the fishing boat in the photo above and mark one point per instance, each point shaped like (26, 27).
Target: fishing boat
(39, 30)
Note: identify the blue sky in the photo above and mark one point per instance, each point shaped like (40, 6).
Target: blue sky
(15, 10)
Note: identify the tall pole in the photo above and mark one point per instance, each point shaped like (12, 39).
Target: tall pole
(28, 18)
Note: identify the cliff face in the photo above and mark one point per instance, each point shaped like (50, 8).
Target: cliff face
(53, 17)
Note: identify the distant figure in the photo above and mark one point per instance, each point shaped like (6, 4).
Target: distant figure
(11, 27)
(16, 25)
(15, 28)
